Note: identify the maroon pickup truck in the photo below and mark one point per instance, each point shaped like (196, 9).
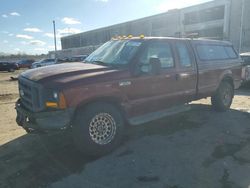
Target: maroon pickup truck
(126, 82)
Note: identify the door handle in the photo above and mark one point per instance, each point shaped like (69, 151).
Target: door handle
(182, 76)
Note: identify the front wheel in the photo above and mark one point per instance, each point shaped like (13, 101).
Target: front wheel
(223, 97)
(98, 129)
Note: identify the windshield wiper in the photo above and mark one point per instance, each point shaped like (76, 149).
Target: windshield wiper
(98, 62)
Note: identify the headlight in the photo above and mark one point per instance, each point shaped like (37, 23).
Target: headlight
(55, 100)
(55, 95)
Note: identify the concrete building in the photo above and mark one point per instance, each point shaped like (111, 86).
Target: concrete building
(218, 19)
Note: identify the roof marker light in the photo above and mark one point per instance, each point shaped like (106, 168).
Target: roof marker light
(142, 36)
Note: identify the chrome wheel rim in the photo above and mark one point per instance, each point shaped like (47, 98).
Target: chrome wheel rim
(227, 97)
(102, 128)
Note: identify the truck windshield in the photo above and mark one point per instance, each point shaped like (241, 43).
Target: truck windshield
(115, 52)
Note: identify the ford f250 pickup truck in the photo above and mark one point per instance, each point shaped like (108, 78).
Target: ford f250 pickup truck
(125, 82)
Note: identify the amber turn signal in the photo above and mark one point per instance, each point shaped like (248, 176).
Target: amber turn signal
(62, 101)
(51, 104)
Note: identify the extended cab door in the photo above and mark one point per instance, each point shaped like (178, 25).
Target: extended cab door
(150, 93)
(186, 73)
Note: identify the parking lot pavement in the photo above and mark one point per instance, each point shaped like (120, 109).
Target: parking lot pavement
(199, 148)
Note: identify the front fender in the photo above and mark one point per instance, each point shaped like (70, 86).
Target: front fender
(81, 96)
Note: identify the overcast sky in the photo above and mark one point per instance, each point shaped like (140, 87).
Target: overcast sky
(26, 25)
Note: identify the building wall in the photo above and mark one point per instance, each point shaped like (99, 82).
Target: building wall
(246, 28)
(160, 25)
(207, 19)
(235, 23)
(219, 19)
(239, 25)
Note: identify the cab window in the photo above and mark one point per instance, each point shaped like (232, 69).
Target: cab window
(230, 52)
(161, 50)
(184, 57)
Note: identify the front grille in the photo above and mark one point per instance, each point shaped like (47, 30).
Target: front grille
(30, 94)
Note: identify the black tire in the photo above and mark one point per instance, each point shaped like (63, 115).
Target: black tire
(87, 137)
(223, 97)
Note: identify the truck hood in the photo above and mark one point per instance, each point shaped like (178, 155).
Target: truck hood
(63, 71)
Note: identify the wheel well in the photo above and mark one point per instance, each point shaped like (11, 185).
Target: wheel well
(108, 100)
(229, 80)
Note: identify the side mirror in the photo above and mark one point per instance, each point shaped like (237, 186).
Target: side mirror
(155, 64)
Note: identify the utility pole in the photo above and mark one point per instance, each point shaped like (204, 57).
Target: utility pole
(241, 24)
(54, 27)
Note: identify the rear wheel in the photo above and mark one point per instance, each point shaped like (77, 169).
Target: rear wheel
(223, 97)
(98, 129)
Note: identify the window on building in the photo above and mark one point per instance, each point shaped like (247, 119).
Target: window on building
(205, 15)
(215, 33)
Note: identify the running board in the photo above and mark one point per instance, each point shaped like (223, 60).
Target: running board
(157, 115)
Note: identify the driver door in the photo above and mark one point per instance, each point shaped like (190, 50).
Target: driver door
(148, 92)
